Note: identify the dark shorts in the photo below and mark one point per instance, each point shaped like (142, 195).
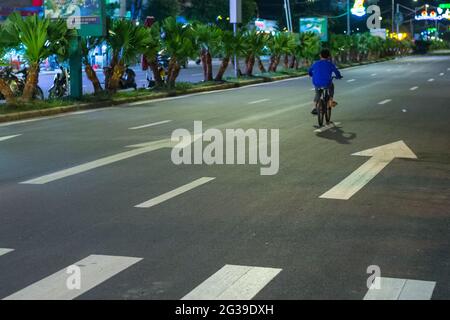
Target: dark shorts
(318, 92)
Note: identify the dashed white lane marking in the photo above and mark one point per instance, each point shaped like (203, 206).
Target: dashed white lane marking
(150, 125)
(328, 127)
(148, 147)
(389, 70)
(373, 74)
(400, 289)
(441, 74)
(5, 251)
(430, 80)
(174, 193)
(233, 283)
(385, 101)
(259, 101)
(351, 80)
(9, 137)
(414, 88)
(94, 269)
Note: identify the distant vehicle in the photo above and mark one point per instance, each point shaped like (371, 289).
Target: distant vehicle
(60, 87)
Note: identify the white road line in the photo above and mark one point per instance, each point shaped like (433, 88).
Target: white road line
(385, 101)
(150, 125)
(430, 80)
(441, 74)
(5, 251)
(99, 163)
(174, 193)
(351, 80)
(389, 70)
(328, 127)
(9, 137)
(259, 101)
(400, 289)
(414, 88)
(233, 283)
(373, 74)
(95, 269)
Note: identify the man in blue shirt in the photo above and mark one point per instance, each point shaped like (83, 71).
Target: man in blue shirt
(322, 76)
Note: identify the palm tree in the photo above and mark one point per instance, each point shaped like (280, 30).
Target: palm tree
(281, 44)
(254, 43)
(309, 47)
(5, 44)
(179, 43)
(229, 45)
(207, 39)
(151, 53)
(87, 45)
(126, 40)
(40, 39)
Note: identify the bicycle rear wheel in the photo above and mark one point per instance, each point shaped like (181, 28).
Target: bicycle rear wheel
(327, 113)
(320, 107)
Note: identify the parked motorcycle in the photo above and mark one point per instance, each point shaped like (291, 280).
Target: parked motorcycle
(60, 85)
(127, 81)
(17, 83)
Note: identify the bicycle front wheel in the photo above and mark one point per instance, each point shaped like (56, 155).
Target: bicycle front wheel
(320, 107)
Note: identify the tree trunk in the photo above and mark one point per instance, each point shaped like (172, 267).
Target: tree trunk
(117, 74)
(272, 63)
(32, 81)
(153, 64)
(223, 68)
(6, 91)
(261, 66)
(92, 76)
(286, 61)
(209, 73)
(250, 65)
(174, 71)
(297, 64)
(292, 64)
(204, 60)
(276, 63)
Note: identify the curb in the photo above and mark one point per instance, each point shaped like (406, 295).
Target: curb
(124, 100)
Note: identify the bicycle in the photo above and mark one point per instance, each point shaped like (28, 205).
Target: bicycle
(323, 107)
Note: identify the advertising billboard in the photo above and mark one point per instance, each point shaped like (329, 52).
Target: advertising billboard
(316, 25)
(87, 16)
(267, 26)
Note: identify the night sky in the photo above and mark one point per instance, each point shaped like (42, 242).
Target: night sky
(273, 10)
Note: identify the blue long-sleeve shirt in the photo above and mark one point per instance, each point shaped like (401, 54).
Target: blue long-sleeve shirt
(322, 72)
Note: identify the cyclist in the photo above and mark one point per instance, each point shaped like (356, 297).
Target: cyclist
(322, 77)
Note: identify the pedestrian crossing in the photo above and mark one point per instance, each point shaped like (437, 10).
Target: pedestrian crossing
(231, 282)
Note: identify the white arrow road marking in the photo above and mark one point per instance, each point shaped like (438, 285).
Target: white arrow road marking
(327, 127)
(430, 80)
(400, 289)
(380, 158)
(259, 101)
(233, 283)
(174, 193)
(385, 101)
(5, 251)
(150, 125)
(95, 269)
(414, 88)
(9, 137)
(141, 149)
(351, 80)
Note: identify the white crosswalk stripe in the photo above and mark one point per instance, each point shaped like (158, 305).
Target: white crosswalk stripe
(94, 270)
(400, 289)
(4, 251)
(233, 283)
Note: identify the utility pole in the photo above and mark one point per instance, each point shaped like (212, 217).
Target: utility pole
(290, 15)
(398, 18)
(235, 18)
(393, 15)
(349, 31)
(123, 8)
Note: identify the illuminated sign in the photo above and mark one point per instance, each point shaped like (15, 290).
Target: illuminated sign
(359, 9)
(318, 26)
(439, 14)
(268, 26)
(444, 5)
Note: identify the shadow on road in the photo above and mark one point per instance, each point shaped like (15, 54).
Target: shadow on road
(337, 134)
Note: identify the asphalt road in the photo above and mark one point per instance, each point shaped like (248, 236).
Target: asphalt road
(260, 237)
